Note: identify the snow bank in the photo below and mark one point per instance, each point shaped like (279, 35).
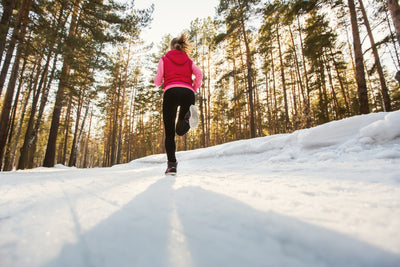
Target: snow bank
(336, 132)
(343, 136)
(382, 130)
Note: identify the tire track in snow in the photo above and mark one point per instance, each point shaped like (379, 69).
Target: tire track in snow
(78, 229)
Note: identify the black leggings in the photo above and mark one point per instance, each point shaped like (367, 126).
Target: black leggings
(174, 97)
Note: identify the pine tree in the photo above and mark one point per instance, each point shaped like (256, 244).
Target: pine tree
(8, 6)
(235, 14)
(19, 34)
(359, 60)
(384, 90)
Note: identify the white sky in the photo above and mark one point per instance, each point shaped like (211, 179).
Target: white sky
(174, 16)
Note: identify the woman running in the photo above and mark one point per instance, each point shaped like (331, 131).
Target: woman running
(176, 69)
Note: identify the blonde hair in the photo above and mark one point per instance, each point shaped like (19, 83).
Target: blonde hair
(182, 44)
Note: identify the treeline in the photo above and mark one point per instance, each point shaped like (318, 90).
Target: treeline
(274, 67)
(77, 82)
(51, 52)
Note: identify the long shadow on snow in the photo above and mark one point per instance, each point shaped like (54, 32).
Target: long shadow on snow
(136, 235)
(218, 231)
(221, 231)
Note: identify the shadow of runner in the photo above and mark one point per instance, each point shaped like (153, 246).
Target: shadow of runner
(221, 231)
(136, 235)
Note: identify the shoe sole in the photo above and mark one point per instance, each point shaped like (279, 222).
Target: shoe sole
(194, 117)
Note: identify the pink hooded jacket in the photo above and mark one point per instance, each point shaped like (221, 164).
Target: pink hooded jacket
(176, 70)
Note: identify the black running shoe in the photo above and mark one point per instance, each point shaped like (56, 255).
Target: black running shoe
(192, 117)
(171, 170)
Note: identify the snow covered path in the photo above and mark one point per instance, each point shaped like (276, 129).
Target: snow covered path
(327, 196)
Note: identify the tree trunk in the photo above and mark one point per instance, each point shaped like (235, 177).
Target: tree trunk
(85, 158)
(18, 34)
(132, 122)
(67, 121)
(307, 104)
(114, 127)
(384, 90)
(203, 108)
(268, 99)
(45, 82)
(33, 138)
(8, 6)
(23, 159)
(336, 106)
(10, 151)
(249, 81)
(208, 98)
(236, 107)
(359, 61)
(302, 91)
(121, 119)
(74, 155)
(340, 79)
(71, 161)
(50, 155)
(5, 113)
(275, 109)
(287, 122)
(393, 40)
(394, 9)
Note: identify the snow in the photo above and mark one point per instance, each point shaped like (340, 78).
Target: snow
(325, 196)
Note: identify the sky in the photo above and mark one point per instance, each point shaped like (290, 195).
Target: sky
(174, 16)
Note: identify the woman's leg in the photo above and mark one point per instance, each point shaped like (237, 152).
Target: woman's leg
(170, 107)
(187, 99)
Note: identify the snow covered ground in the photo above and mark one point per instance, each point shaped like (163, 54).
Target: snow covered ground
(326, 196)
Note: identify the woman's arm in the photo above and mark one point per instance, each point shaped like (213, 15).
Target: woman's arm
(158, 80)
(198, 77)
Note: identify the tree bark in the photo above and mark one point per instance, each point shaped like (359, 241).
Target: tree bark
(359, 61)
(121, 119)
(394, 9)
(384, 90)
(302, 91)
(340, 79)
(249, 81)
(8, 6)
(75, 150)
(287, 122)
(23, 159)
(71, 160)
(67, 121)
(50, 155)
(10, 149)
(17, 37)
(5, 113)
(307, 104)
(275, 109)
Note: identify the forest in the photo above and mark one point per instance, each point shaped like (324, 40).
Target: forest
(76, 81)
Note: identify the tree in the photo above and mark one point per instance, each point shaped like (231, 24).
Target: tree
(359, 60)
(235, 14)
(384, 90)
(102, 22)
(8, 6)
(394, 9)
(68, 55)
(19, 34)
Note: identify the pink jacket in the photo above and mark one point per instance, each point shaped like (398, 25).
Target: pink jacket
(175, 81)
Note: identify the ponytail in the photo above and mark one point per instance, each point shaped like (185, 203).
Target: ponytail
(181, 44)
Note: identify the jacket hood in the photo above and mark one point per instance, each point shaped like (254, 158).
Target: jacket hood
(178, 57)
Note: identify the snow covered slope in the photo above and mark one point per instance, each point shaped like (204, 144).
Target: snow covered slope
(326, 196)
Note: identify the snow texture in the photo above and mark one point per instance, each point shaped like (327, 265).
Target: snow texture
(325, 196)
